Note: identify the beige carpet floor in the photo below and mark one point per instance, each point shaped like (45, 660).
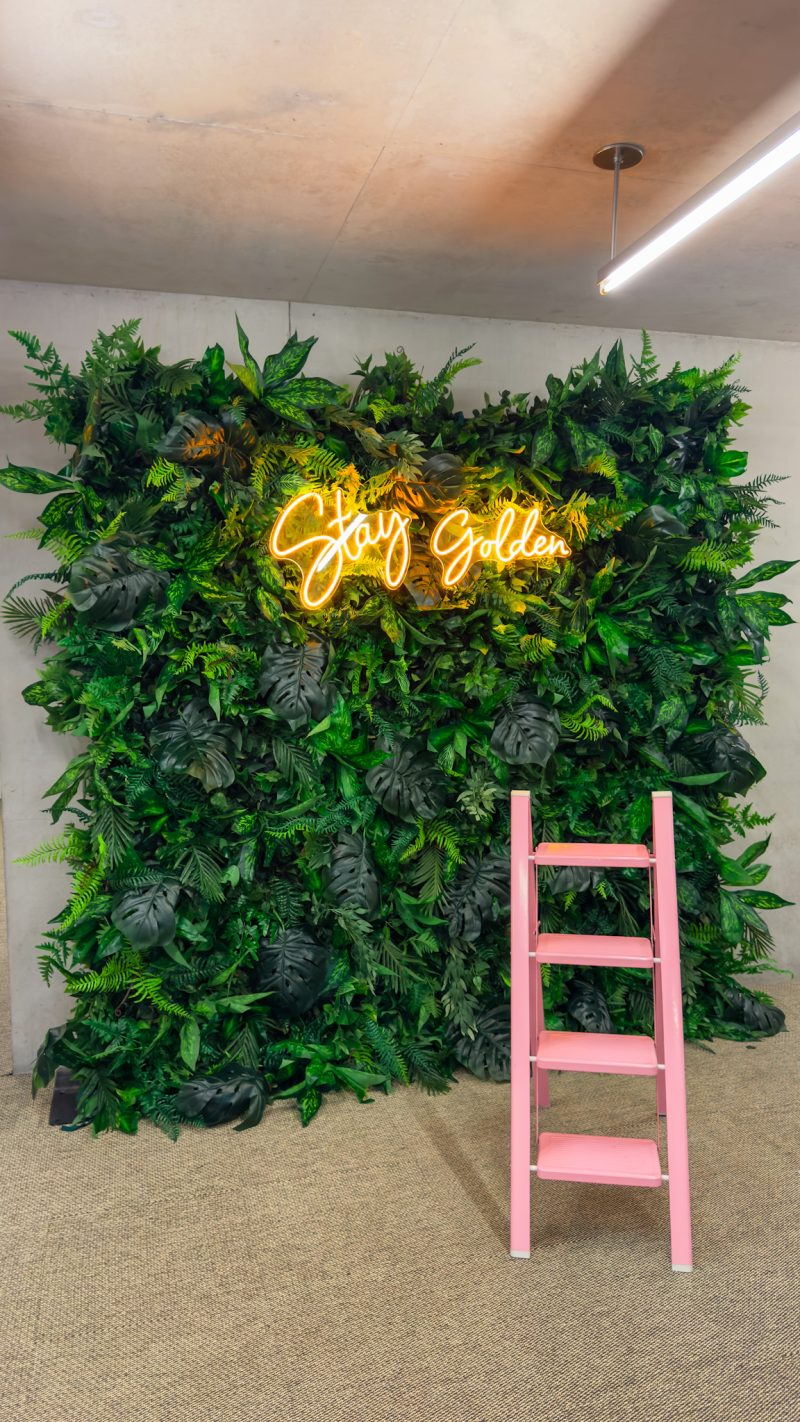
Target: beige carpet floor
(357, 1271)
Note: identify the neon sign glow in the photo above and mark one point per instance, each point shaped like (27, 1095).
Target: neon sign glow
(328, 543)
(461, 539)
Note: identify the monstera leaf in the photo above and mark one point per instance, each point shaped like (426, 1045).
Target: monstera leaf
(198, 745)
(408, 784)
(526, 732)
(421, 580)
(215, 1100)
(488, 1054)
(225, 445)
(728, 752)
(110, 590)
(589, 1008)
(469, 899)
(351, 878)
(439, 481)
(759, 1016)
(291, 680)
(655, 527)
(146, 916)
(294, 968)
(573, 879)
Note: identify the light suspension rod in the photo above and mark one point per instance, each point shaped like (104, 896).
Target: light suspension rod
(760, 163)
(614, 206)
(614, 157)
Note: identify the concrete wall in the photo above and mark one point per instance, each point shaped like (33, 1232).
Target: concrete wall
(515, 354)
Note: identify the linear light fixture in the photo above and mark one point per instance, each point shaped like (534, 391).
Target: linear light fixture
(760, 163)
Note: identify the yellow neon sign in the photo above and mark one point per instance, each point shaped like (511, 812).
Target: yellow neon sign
(327, 545)
(461, 539)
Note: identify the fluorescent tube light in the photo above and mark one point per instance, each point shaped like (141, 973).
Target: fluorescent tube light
(760, 163)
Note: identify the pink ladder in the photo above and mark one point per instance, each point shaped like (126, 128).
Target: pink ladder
(604, 1160)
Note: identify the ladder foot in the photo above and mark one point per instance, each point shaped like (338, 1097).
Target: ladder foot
(526, 1254)
(682, 1268)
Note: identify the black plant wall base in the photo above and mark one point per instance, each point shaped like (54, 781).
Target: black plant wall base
(64, 1101)
(287, 818)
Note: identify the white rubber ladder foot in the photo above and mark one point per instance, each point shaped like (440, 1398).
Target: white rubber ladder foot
(682, 1268)
(520, 1253)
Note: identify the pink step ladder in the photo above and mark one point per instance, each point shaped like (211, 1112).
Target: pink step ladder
(602, 1160)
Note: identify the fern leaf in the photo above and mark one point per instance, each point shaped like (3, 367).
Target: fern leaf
(201, 870)
(52, 851)
(386, 1052)
(26, 615)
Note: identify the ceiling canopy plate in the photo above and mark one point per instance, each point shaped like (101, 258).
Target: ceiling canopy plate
(629, 155)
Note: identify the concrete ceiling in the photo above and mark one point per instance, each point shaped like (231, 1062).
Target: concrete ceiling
(425, 155)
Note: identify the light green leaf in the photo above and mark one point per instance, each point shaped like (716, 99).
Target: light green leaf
(763, 899)
(24, 480)
(190, 1042)
(762, 574)
(612, 635)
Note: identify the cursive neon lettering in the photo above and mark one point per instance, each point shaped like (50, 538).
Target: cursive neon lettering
(461, 539)
(327, 545)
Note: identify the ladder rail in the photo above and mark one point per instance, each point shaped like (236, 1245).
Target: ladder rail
(670, 1015)
(541, 1080)
(521, 1023)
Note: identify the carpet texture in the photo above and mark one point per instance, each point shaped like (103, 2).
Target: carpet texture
(357, 1271)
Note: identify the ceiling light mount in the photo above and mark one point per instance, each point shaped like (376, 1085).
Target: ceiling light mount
(767, 158)
(613, 157)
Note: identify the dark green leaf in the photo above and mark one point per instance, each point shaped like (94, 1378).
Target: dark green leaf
(294, 968)
(728, 753)
(488, 1054)
(112, 591)
(219, 1099)
(146, 916)
(589, 1008)
(352, 878)
(292, 682)
(407, 784)
(526, 732)
(480, 884)
(49, 1056)
(224, 445)
(655, 527)
(198, 745)
(742, 1007)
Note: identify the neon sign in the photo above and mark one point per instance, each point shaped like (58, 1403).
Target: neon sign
(461, 539)
(327, 543)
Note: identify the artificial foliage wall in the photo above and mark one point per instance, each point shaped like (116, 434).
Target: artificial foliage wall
(287, 829)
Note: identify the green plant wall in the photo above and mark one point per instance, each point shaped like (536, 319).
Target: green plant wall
(288, 830)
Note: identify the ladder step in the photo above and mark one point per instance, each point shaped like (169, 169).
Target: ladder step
(602, 950)
(597, 1051)
(593, 856)
(598, 1160)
